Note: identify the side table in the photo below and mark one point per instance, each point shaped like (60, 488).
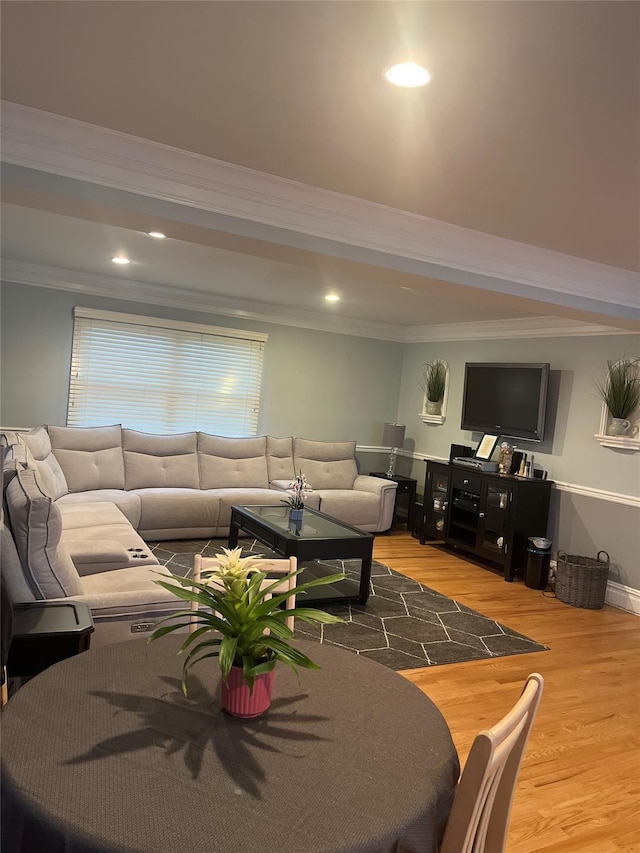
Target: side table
(45, 632)
(406, 486)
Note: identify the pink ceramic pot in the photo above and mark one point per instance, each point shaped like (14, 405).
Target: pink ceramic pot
(236, 698)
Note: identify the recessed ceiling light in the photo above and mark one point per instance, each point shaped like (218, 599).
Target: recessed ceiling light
(332, 297)
(407, 74)
(121, 260)
(158, 235)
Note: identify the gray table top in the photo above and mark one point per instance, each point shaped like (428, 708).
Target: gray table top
(102, 752)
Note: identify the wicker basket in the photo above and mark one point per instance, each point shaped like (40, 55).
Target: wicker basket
(582, 581)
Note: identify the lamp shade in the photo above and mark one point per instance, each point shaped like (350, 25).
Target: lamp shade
(393, 435)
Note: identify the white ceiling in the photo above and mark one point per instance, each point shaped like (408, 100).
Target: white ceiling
(529, 132)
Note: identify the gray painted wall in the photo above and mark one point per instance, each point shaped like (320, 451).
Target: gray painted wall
(324, 386)
(578, 524)
(315, 385)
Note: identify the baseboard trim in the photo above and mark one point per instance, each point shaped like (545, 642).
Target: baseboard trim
(623, 597)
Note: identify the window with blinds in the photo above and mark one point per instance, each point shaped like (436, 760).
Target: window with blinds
(163, 376)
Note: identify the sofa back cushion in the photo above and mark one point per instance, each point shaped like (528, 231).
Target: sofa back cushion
(51, 474)
(90, 457)
(12, 574)
(280, 458)
(227, 463)
(15, 457)
(326, 464)
(158, 461)
(37, 530)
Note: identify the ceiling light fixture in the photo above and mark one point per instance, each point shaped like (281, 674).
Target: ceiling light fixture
(158, 235)
(332, 297)
(407, 74)
(121, 260)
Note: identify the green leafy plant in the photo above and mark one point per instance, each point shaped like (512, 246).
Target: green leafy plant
(238, 613)
(620, 389)
(434, 380)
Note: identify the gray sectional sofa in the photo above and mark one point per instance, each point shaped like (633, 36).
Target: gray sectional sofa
(80, 505)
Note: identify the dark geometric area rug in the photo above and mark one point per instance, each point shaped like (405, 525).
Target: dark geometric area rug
(404, 625)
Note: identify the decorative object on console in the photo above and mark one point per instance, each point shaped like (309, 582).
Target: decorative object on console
(240, 608)
(506, 458)
(486, 446)
(620, 392)
(393, 437)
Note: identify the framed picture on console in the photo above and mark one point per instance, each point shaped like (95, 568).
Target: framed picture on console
(487, 445)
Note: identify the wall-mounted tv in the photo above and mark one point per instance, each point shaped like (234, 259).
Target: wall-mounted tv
(505, 399)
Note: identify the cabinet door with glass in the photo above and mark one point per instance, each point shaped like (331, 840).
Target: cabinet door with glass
(493, 526)
(436, 499)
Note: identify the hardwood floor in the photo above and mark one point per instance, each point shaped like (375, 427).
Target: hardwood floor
(579, 783)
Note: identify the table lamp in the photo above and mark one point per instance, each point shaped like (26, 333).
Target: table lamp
(393, 437)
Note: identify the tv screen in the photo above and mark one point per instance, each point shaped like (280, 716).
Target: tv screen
(506, 399)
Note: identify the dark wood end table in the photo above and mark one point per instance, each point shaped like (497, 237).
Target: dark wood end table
(406, 486)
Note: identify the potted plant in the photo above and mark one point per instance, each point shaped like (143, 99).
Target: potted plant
(300, 488)
(241, 625)
(620, 392)
(433, 384)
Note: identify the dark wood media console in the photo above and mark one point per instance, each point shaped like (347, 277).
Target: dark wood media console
(490, 516)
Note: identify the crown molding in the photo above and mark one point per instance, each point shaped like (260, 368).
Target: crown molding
(130, 290)
(112, 287)
(39, 140)
(519, 327)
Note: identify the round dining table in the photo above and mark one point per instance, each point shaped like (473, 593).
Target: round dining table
(102, 753)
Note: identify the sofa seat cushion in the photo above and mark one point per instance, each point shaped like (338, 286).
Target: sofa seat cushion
(100, 539)
(160, 461)
(129, 592)
(91, 457)
(359, 509)
(178, 513)
(89, 514)
(127, 502)
(232, 462)
(242, 497)
(36, 523)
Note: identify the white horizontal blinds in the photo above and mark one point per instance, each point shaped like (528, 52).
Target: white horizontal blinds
(157, 376)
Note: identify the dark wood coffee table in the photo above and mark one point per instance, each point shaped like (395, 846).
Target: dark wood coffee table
(319, 538)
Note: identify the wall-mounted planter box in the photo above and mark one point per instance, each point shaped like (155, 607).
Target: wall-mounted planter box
(428, 418)
(630, 441)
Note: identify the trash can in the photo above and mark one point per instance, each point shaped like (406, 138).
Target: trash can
(538, 558)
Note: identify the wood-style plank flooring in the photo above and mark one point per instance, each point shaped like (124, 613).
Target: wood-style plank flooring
(579, 785)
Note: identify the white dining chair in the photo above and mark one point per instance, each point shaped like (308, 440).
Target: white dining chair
(479, 818)
(273, 568)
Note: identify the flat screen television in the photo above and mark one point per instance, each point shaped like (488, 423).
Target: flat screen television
(505, 399)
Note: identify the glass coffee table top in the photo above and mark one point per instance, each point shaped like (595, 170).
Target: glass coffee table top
(314, 525)
(317, 540)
